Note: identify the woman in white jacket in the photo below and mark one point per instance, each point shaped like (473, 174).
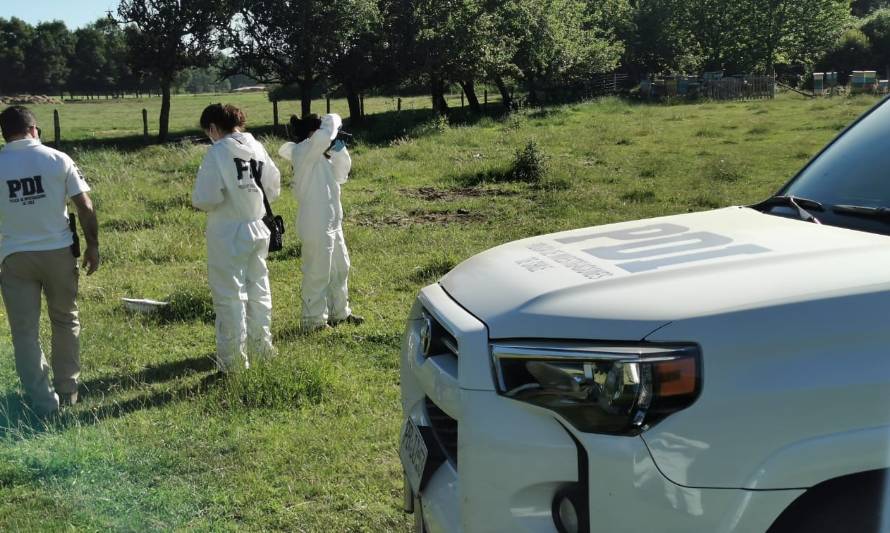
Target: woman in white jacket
(319, 170)
(237, 238)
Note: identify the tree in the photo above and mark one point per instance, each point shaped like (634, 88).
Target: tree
(47, 56)
(296, 41)
(659, 40)
(447, 45)
(862, 8)
(360, 67)
(117, 54)
(170, 36)
(557, 41)
(852, 51)
(15, 38)
(877, 29)
(718, 30)
(360, 60)
(791, 30)
(90, 68)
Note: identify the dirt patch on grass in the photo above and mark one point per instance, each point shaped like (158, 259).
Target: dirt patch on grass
(414, 217)
(435, 194)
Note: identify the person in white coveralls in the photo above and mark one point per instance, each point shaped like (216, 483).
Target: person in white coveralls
(237, 239)
(321, 165)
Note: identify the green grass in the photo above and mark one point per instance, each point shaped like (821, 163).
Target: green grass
(308, 442)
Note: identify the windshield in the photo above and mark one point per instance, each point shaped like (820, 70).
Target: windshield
(853, 171)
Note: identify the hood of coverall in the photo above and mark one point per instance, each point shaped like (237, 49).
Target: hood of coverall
(240, 145)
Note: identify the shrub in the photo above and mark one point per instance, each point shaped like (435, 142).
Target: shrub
(530, 164)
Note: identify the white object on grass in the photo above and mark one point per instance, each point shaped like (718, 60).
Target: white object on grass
(143, 306)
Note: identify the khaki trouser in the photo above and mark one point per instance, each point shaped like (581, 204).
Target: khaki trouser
(23, 276)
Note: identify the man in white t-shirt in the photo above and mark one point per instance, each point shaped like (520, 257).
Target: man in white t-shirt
(36, 256)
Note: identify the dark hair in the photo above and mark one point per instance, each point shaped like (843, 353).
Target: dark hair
(16, 120)
(301, 129)
(226, 117)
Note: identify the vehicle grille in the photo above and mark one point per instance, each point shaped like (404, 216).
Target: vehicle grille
(445, 430)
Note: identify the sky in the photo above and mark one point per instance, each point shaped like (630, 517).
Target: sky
(74, 13)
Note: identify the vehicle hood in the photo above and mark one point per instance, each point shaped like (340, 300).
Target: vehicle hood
(624, 281)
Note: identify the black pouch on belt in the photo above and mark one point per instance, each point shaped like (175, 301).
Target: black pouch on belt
(272, 221)
(72, 225)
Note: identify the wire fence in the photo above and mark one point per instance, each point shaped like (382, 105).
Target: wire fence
(711, 86)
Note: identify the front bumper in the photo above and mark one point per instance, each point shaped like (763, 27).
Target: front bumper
(513, 458)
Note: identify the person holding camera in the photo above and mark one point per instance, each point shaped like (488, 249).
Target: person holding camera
(38, 255)
(321, 164)
(233, 178)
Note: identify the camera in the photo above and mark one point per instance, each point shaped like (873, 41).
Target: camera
(342, 137)
(300, 129)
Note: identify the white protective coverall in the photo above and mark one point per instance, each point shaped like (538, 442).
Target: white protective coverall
(317, 181)
(237, 245)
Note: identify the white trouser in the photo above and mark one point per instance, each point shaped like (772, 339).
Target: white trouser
(325, 268)
(242, 300)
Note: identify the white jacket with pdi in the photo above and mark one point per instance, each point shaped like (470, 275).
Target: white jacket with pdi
(317, 179)
(226, 190)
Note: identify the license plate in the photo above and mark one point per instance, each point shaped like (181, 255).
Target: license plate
(414, 454)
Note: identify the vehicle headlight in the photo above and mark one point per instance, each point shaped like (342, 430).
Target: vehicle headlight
(612, 389)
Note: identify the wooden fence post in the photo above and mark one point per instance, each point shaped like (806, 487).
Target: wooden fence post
(327, 98)
(57, 128)
(461, 99)
(275, 116)
(399, 107)
(145, 125)
(486, 97)
(363, 105)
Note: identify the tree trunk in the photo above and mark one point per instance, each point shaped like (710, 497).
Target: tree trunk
(437, 89)
(164, 125)
(532, 87)
(355, 104)
(469, 88)
(306, 97)
(505, 94)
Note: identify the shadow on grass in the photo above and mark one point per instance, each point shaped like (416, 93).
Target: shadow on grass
(488, 176)
(379, 129)
(149, 401)
(382, 129)
(153, 374)
(18, 420)
(128, 143)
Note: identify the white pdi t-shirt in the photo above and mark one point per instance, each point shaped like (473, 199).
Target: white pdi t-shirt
(35, 184)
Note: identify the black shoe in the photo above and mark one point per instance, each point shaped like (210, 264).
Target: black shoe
(353, 320)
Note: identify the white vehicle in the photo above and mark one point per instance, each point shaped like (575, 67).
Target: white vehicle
(724, 371)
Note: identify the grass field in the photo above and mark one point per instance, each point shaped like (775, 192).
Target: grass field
(308, 442)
